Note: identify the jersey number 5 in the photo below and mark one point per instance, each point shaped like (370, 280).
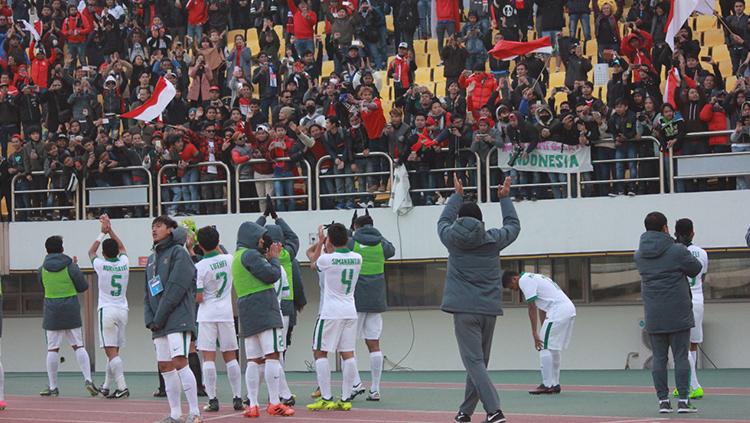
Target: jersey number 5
(346, 278)
(116, 287)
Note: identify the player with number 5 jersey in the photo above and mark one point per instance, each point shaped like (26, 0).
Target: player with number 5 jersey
(113, 274)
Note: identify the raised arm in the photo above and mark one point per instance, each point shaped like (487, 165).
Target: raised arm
(511, 224)
(291, 240)
(450, 212)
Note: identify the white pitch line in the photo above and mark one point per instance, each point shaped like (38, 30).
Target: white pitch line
(73, 410)
(210, 419)
(640, 420)
(39, 419)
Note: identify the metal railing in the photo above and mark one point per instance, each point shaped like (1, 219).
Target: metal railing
(672, 158)
(658, 157)
(489, 186)
(306, 177)
(160, 185)
(372, 154)
(477, 169)
(140, 169)
(40, 193)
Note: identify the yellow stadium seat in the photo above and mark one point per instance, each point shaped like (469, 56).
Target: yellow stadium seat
(327, 68)
(556, 79)
(420, 46)
(440, 89)
(705, 51)
(705, 22)
(559, 98)
(603, 93)
(590, 48)
(423, 75)
(731, 82)
(390, 59)
(423, 60)
(387, 107)
(720, 53)
(713, 37)
(389, 23)
(432, 47)
(438, 75)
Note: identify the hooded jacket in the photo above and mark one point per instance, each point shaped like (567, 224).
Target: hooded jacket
(664, 267)
(473, 280)
(62, 281)
(259, 310)
(173, 309)
(370, 292)
(283, 233)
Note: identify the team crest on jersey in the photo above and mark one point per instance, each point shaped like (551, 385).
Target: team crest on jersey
(166, 261)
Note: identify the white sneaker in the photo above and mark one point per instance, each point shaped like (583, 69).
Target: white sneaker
(357, 390)
(373, 396)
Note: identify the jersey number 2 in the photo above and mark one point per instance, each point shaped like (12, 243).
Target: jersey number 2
(116, 287)
(346, 278)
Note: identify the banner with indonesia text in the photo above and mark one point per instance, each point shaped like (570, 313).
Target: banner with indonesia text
(549, 157)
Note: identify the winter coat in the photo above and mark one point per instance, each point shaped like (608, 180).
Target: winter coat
(62, 281)
(370, 292)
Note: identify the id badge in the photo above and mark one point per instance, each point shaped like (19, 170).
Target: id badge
(155, 286)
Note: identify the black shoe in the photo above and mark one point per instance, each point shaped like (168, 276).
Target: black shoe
(212, 406)
(159, 393)
(202, 392)
(684, 407)
(556, 389)
(246, 402)
(105, 392)
(237, 404)
(119, 394)
(496, 417)
(462, 418)
(289, 401)
(542, 390)
(665, 407)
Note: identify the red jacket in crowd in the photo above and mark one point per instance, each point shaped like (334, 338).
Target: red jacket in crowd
(400, 71)
(40, 69)
(717, 121)
(304, 27)
(76, 28)
(484, 85)
(197, 12)
(640, 56)
(374, 121)
(447, 10)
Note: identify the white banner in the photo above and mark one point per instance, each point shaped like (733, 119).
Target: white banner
(549, 157)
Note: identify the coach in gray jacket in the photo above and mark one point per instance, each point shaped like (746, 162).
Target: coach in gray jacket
(473, 291)
(664, 267)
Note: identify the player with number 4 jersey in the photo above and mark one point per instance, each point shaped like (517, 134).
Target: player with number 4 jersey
(113, 274)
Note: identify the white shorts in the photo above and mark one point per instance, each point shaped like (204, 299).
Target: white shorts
(112, 324)
(556, 335)
(696, 332)
(173, 345)
(55, 337)
(335, 335)
(267, 342)
(214, 336)
(284, 331)
(369, 325)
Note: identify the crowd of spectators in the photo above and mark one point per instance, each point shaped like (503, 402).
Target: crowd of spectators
(266, 110)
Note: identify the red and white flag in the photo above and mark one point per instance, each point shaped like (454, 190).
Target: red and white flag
(154, 106)
(679, 11)
(508, 50)
(674, 79)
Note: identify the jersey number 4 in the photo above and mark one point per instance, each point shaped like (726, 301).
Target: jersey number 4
(346, 278)
(116, 286)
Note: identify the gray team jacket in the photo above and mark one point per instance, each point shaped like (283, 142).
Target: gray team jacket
(664, 267)
(172, 310)
(283, 233)
(259, 311)
(473, 280)
(370, 292)
(63, 313)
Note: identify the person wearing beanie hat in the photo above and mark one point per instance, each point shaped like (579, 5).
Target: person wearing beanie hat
(472, 293)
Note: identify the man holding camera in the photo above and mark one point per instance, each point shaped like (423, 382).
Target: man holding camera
(741, 135)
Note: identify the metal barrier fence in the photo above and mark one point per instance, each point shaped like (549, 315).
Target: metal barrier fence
(103, 202)
(307, 178)
(39, 196)
(489, 186)
(170, 185)
(449, 188)
(658, 157)
(373, 154)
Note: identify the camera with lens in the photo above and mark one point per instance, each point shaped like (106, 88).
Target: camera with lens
(517, 152)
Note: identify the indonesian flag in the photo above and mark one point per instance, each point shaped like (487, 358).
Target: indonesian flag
(154, 106)
(679, 11)
(35, 30)
(507, 50)
(705, 7)
(673, 84)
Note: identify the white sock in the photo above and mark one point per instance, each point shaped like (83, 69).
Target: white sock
(323, 372)
(284, 390)
(209, 378)
(84, 363)
(252, 380)
(357, 379)
(556, 361)
(273, 370)
(2, 383)
(53, 363)
(115, 366)
(545, 357)
(349, 372)
(190, 388)
(376, 369)
(234, 375)
(693, 358)
(172, 387)
(261, 374)
(107, 375)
